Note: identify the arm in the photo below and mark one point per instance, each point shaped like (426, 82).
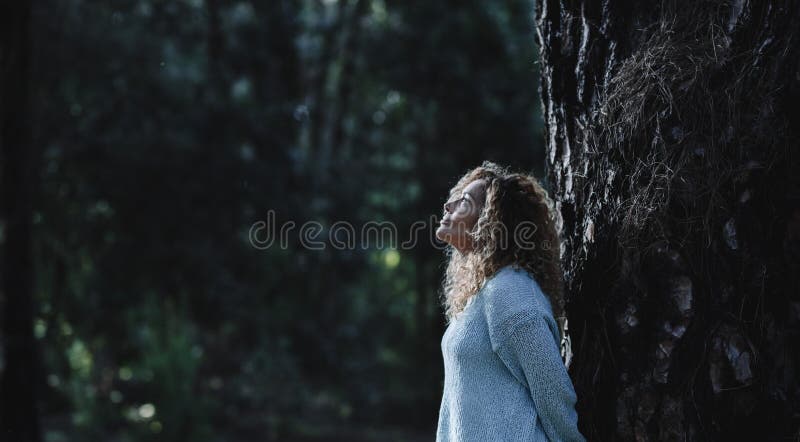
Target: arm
(529, 348)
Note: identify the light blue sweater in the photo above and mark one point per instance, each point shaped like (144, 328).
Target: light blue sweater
(504, 379)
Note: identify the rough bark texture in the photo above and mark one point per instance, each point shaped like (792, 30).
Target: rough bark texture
(672, 133)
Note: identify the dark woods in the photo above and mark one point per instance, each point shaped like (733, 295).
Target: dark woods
(140, 142)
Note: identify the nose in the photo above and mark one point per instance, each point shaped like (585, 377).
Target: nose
(447, 206)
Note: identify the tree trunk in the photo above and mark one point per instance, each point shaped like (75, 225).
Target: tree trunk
(18, 416)
(671, 133)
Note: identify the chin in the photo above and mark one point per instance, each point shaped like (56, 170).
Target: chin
(443, 234)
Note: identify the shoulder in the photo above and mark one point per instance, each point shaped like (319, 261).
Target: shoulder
(512, 295)
(513, 289)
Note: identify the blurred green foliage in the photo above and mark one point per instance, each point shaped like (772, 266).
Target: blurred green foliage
(167, 128)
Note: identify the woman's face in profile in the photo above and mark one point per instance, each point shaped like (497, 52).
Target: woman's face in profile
(461, 214)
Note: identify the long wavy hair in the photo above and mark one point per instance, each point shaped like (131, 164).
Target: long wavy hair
(517, 225)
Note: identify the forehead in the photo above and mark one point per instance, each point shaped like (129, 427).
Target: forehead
(476, 187)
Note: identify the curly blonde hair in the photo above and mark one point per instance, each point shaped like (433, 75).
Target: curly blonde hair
(516, 203)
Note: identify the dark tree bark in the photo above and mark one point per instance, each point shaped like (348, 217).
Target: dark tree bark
(671, 132)
(18, 415)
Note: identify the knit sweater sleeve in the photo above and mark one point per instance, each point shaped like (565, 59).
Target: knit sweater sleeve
(528, 346)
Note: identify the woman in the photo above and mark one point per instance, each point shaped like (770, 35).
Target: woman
(504, 376)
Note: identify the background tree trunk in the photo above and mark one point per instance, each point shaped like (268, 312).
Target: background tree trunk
(672, 132)
(18, 415)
